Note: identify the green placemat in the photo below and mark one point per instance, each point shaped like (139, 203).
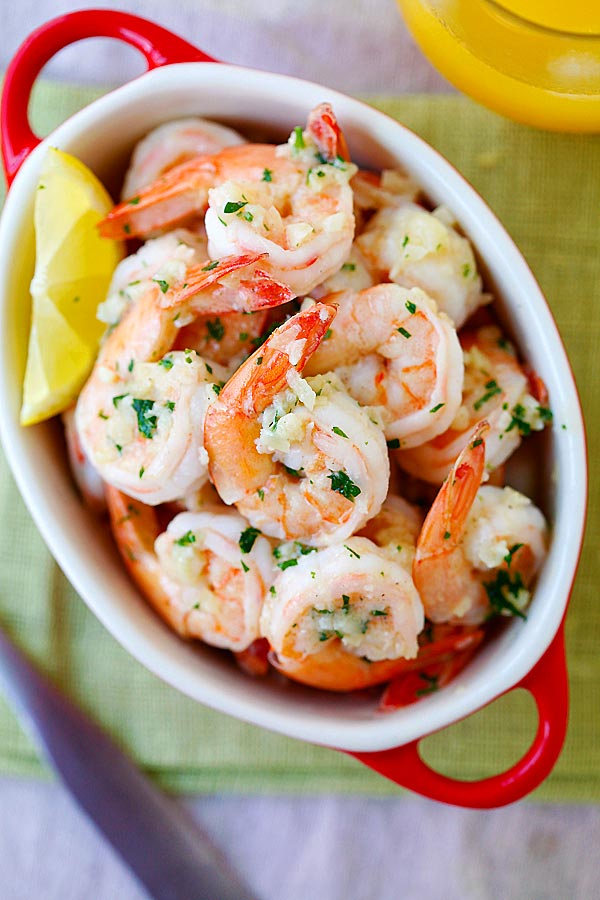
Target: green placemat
(546, 190)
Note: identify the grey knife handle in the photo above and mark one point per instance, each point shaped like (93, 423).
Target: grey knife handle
(165, 849)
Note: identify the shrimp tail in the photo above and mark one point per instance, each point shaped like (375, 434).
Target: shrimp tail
(258, 291)
(264, 374)
(445, 523)
(180, 193)
(323, 126)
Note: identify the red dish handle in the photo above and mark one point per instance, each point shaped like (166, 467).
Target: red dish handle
(548, 684)
(159, 46)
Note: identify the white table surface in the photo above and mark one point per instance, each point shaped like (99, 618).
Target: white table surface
(317, 847)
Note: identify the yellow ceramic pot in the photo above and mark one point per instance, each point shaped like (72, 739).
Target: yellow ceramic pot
(536, 61)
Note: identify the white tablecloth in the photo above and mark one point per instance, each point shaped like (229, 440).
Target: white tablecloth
(295, 848)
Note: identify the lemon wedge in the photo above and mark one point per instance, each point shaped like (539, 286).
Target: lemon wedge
(73, 268)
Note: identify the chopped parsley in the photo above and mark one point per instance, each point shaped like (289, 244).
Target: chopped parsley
(147, 424)
(119, 397)
(434, 409)
(466, 270)
(218, 387)
(404, 332)
(406, 240)
(339, 431)
(393, 444)
(141, 472)
(261, 493)
(545, 414)
(247, 538)
(234, 206)
(134, 201)
(349, 267)
(188, 538)
(163, 285)
(298, 138)
(215, 328)
(244, 566)
(511, 553)
(208, 368)
(351, 551)
(210, 266)
(267, 175)
(131, 365)
(286, 563)
(411, 307)
(492, 388)
(290, 471)
(102, 415)
(476, 443)
(170, 405)
(518, 420)
(501, 590)
(432, 684)
(342, 484)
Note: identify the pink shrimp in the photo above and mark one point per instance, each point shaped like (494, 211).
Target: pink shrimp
(292, 202)
(300, 459)
(496, 387)
(195, 574)
(480, 547)
(140, 416)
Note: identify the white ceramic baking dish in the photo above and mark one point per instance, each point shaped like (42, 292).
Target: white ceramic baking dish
(182, 81)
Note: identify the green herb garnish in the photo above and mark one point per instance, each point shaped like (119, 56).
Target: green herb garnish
(247, 538)
(147, 424)
(215, 328)
(342, 484)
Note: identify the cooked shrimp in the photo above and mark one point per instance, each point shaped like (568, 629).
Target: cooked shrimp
(354, 275)
(416, 248)
(292, 202)
(304, 222)
(173, 143)
(227, 339)
(378, 190)
(480, 547)
(87, 479)
(300, 459)
(165, 258)
(395, 529)
(140, 416)
(497, 388)
(392, 350)
(207, 575)
(342, 617)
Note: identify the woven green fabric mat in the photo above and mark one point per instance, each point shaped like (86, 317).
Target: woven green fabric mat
(546, 190)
